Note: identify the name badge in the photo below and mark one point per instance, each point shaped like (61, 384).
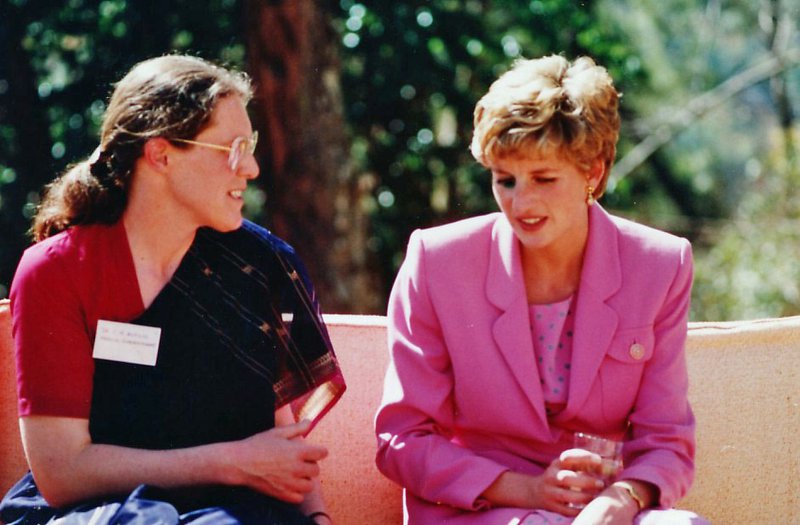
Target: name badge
(126, 343)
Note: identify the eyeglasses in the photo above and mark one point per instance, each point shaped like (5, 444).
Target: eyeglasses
(236, 150)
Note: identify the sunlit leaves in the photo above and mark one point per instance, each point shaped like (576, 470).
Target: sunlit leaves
(413, 72)
(7, 175)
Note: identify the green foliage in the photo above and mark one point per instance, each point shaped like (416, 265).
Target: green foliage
(78, 49)
(751, 268)
(736, 158)
(65, 57)
(412, 73)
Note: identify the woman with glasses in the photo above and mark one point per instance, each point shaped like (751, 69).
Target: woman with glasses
(166, 348)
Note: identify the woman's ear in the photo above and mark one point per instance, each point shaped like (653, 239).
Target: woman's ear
(596, 172)
(156, 153)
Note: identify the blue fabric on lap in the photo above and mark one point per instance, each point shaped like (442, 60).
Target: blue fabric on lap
(148, 505)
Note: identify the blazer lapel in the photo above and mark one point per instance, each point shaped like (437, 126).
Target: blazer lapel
(505, 289)
(595, 321)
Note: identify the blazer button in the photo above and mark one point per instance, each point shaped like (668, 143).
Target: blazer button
(637, 351)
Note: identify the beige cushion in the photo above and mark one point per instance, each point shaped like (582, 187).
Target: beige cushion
(745, 390)
(13, 463)
(744, 387)
(356, 493)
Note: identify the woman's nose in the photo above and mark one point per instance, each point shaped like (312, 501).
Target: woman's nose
(525, 195)
(249, 167)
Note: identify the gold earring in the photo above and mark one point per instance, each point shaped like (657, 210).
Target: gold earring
(589, 195)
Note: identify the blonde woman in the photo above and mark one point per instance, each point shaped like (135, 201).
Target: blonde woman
(512, 331)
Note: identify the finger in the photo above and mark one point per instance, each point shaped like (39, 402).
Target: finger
(314, 453)
(574, 500)
(578, 459)
(577, 455)
(291, 496)
(300, 485)
(309, 470)
(570, 510)
(579, 481)
(294, 430)
(284, 492)
(562, 501)
(291, 489)
(306, 470)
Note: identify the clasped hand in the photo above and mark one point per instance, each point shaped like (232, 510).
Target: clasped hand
(278, 462)
(573, 488)
(568, 484)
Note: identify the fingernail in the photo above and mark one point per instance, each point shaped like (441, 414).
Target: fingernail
(599, 484)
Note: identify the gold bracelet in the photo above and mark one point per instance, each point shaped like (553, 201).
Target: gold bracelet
(631, 490)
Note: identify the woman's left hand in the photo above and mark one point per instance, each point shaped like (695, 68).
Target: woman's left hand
(611, 507)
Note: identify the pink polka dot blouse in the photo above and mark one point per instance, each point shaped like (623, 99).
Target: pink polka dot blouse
(552, 326)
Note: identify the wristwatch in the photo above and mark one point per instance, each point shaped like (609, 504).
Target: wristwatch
(631, 490)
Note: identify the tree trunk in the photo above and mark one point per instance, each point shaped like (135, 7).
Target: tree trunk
(28, 152)
(314, 196)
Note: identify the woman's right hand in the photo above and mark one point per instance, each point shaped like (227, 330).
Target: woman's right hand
(566, 481)
(277, 462)
(69, 468)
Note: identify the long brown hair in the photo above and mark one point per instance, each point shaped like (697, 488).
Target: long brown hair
(171, 96)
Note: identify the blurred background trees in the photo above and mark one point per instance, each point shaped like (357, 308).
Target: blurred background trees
(367, 108)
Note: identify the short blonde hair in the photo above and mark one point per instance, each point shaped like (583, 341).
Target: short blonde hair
(549, 105)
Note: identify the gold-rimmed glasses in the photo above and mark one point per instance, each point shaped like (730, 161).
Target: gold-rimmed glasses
(236, 151)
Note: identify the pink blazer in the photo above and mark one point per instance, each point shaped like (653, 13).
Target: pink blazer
(462, 400)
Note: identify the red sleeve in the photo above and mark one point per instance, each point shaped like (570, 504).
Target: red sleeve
(51, 334)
